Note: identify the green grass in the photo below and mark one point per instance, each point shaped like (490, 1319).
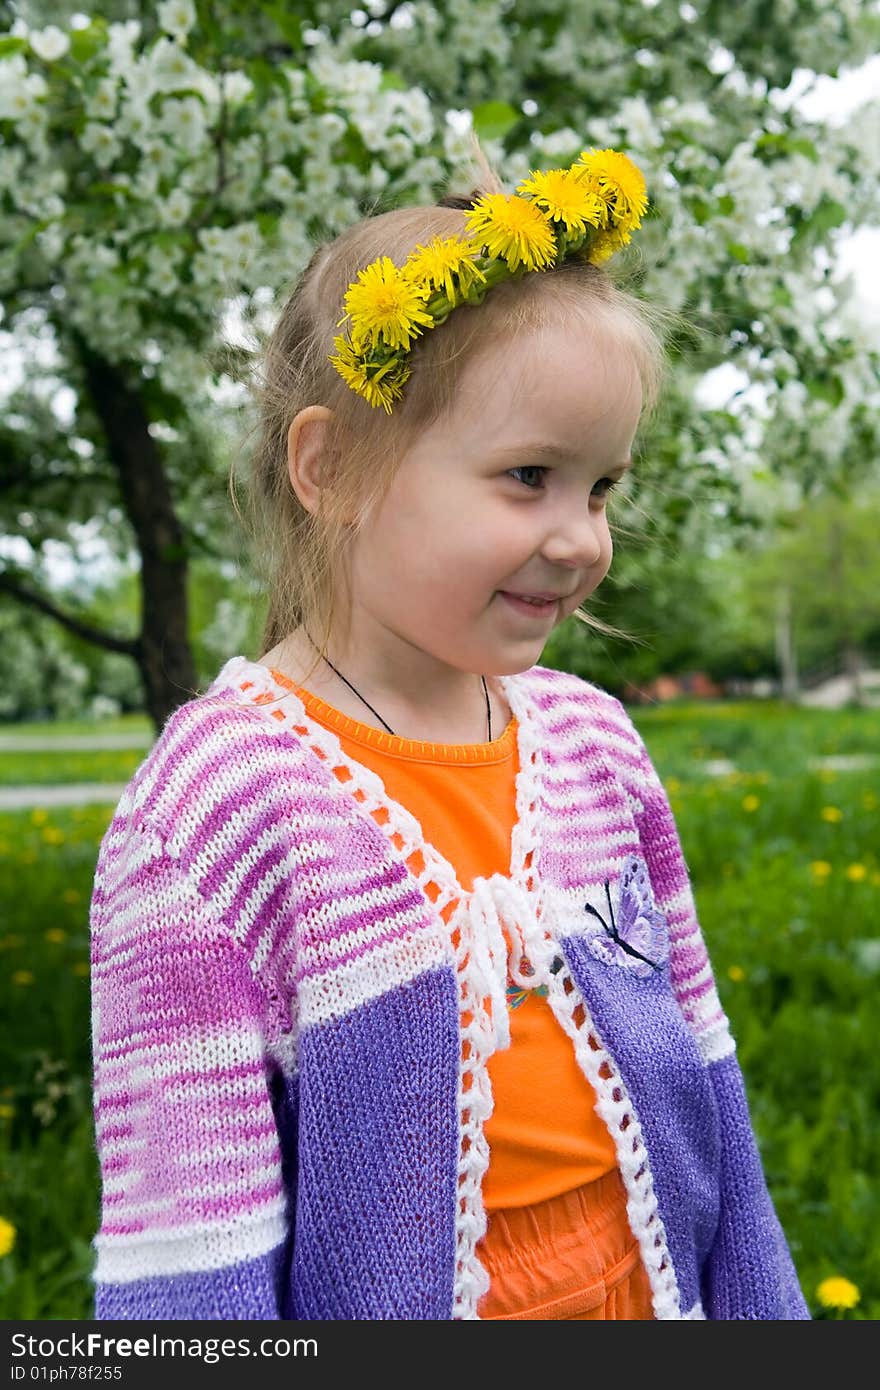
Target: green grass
(44, 769)
(795, 952)
(753, 735)
(136, 724)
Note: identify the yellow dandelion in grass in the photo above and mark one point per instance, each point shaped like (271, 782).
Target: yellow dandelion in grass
(513, 230)
(39, 815)
(618, 182)
(736, 973)
(856, 872)
(22, 977)
(821, 868)
(379, 385)
(6, 1111)
(565, 198)
(71, 895)
(869, 801)
(838, 1292)
(833, 814)
(53, 836)
(56, 935)
(385, 305)
(7, 1236)
(80, 967)
(447, 264)
(751, 802)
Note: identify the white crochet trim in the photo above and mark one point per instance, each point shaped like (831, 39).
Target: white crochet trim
(615, 1107)
(480, 960)
(480, 974)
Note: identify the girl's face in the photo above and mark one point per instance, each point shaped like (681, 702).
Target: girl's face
(506, 494)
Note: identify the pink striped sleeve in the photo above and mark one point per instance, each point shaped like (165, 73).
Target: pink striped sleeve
(185, 1130)
(690, 968)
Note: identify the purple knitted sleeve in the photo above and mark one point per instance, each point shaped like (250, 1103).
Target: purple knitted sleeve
(192, 1208)
(749, 1272)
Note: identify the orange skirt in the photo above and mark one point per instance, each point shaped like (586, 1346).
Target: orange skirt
(572, 1257)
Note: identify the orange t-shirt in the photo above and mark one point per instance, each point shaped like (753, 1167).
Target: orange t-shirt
(544, 1134)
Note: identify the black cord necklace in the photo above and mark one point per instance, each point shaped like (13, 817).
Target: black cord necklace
(376, 712)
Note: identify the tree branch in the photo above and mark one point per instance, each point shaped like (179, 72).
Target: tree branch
(125, 646)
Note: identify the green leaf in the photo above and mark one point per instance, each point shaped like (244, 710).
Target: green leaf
(10, 44)
(738, 251)
(393, 81)
(85, 43)
(493, 119)
(826, 215)
(826, 388)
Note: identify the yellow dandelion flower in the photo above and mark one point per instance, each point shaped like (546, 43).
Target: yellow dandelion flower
(606, 244)
(53, 836)
(838, 1292)
(22, 977)
(379, 385)
(513, 230)
(565, 198)
(856, 872)
(39, 815)
(821, 868)
(673, 785)
(618, 182)
(6, 1111)
(446, 264)
(832, 814)
(7, 1236)
(80, 967)
(56, 935)
(736, 973)
(751, 802)
(385, 306)
(71, 895)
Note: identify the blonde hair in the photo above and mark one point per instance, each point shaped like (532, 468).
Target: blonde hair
(298, 554)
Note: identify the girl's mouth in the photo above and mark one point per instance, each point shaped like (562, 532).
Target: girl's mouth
(532, 608)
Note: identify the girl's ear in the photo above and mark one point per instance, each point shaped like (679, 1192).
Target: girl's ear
(306, 454)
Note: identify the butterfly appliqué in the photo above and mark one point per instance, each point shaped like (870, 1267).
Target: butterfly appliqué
(637, 939)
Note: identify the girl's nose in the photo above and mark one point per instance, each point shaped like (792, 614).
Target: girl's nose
(576, 541)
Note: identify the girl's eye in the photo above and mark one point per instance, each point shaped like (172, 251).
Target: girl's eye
(606, 484)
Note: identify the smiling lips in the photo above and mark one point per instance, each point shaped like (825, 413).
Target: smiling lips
(532, 605)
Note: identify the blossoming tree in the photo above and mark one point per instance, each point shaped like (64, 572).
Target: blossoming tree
(153, 172)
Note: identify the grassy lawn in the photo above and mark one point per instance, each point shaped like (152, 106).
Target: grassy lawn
(785, 865)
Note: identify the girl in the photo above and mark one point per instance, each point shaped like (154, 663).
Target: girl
(401, 1005)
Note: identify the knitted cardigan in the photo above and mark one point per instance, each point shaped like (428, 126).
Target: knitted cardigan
(294, 1002)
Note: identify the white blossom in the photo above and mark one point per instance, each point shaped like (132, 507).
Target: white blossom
(237, 87)
(321, 178)
(177, 17)
(100, 142)
(185, 121)
(50, 43)
(174, 210)
(100, 105)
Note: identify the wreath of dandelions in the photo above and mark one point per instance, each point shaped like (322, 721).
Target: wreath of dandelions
(590, 209)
